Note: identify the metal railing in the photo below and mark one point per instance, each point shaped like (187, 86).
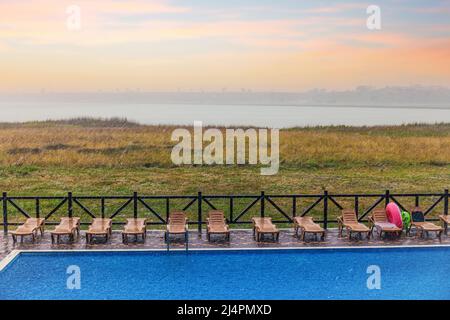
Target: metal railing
(319, 205)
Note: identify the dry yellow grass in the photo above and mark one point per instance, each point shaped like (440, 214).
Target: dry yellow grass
(67, 145)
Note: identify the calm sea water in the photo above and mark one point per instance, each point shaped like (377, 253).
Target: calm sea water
(407, 273)
(270, 116)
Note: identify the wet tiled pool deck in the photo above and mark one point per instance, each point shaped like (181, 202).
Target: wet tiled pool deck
(239, 239)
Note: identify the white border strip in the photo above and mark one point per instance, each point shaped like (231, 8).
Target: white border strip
(9, 258)
(15, 253)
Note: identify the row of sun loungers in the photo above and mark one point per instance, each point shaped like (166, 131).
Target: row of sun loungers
(217, 225)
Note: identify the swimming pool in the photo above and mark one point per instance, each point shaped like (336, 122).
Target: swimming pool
(404, 273)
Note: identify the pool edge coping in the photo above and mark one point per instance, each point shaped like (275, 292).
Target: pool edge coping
(10, 258)
(16, 253)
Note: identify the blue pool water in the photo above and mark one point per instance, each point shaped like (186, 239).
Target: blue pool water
(407, 273)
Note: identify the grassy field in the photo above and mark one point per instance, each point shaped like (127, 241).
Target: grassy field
(93, 157)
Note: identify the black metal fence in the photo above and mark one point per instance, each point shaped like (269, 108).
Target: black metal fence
(282, 208)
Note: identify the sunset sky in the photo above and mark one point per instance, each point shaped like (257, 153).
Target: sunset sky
(163, 45)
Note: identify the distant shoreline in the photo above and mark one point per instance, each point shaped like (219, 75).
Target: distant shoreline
(89, 122)
(275, 105)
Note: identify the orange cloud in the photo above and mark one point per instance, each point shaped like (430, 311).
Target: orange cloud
(165, 54)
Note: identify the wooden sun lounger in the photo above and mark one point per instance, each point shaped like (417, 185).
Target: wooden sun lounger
(31, 227)
(445, 219)
(67, 227)
(378, 221)
(177, 225)
(306, 225)
(421, 226)
(99, 227)
(135, 227)
(350, 223)
(263, 226)
(217, 225)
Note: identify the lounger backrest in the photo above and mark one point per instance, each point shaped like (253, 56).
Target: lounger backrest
(68, 222)
(73, 220)
(102, 221)
(261, 221)
(216, 216)
(33, 222)
(349, 216)
(305, 220)
(177, 217)
(417, 215)
(137, 222)
(379, 215)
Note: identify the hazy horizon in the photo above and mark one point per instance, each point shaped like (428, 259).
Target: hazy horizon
(361, 96)
(195, 45)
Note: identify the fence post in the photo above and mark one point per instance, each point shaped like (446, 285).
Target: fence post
(446, 202)
(387, 197)
(263, 209)
(357, 206)
(325, 209)
(38, 209)
(167, 209)
(199, 213)
(103, 207)
(294, 206)
(231, 209)
(5, 212)
(135, 205)
(69, 204)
